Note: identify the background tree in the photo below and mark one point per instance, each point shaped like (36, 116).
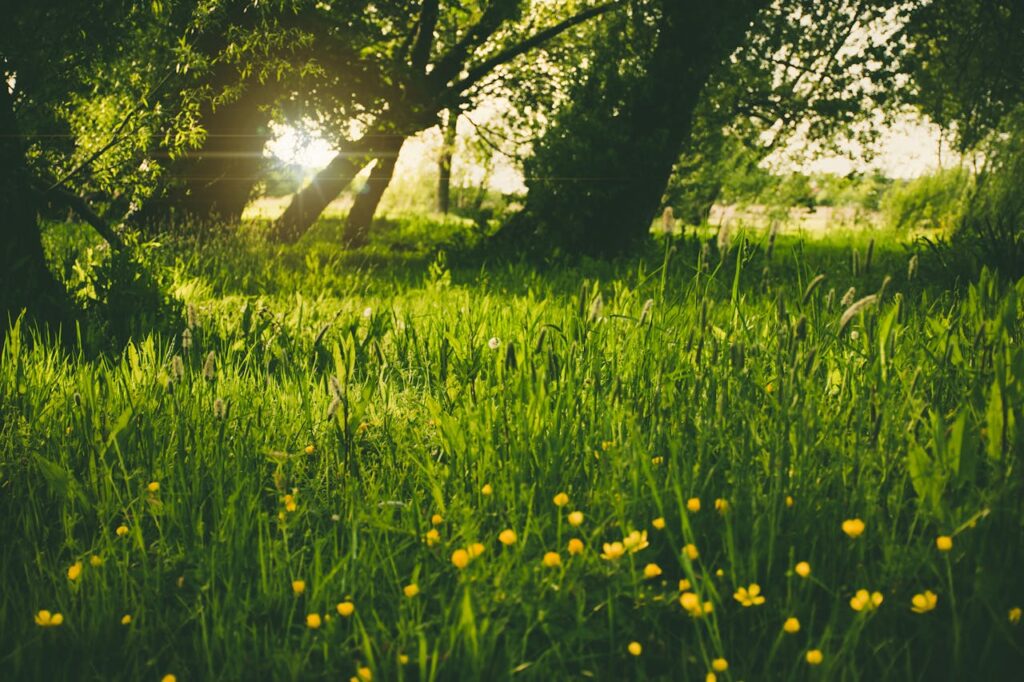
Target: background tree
(424, 61)
(752, 69)
(965, 62)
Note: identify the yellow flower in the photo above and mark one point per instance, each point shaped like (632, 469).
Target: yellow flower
(657, 461)
(126, 619)
(691, 552)
(75, 570)
(635, 648)
(853, 527)
(612, 550)
(289, 503)
(121, 531)
(45, 619)
(803, 569)
(432, 537)
(403, 659)
(346, 609)
(722, 505)
(866, 601)
(791, 626)
(310, 449)
(436, 520)
(364, 674)
(711, 677)
(575, 546)
(561, 499)
(814, 657)
(789, 501)
(507, 537)
(652, 571)
(95, 561)
(635, 541)
(684, 585)
(691, 603)
(298, 586)
(552, 559)
(313, 621)
(460, 558)
(693, 505)
(769, 388)
(1014, 615)
(749, 596)
(719, 573)
(924, 602)
(153, 487)
(575, 518)
(658, 523)
(487, 489)
(411, 590)
(944, 543)
(720, 665)
(475, 550)
(169, 678)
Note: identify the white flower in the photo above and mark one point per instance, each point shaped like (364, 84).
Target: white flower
(494, 343)
(368, 313)
(854, 335)
(335, 517)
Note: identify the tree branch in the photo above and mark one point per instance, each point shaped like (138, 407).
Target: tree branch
(425, 35)
(449, 65)
(84, 211)
(482, 69)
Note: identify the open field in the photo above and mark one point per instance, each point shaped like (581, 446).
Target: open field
(423, 470)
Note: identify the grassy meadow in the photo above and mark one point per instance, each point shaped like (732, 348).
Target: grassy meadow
(397, 465)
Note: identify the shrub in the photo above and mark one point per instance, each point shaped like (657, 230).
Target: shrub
(991, 229)
(935, 200)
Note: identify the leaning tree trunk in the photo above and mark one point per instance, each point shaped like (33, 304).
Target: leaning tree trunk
(27, 283)
(357, 226)
(308, 203)
(444, 163)
(602, 168)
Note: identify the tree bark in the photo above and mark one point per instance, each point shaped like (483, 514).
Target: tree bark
(27, 283)
(444, 163)
(360, 218)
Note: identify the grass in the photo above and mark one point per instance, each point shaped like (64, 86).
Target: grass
(330, 404)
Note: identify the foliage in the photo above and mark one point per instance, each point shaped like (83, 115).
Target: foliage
(965, 61)
(992, 225)
(935, 200)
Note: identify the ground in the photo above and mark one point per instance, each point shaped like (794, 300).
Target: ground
(702, 458)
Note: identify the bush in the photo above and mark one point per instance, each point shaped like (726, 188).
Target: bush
(991, 230)
(932, 201)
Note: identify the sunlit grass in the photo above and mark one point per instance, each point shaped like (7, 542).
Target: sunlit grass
(444, 471)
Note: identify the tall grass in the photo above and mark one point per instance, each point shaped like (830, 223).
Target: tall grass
(332, 425)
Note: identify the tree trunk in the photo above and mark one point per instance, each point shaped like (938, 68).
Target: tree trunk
(360, 218)
(308, 203)
(444, 164)
(214, 183)
(27, 283)
(601, 170)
